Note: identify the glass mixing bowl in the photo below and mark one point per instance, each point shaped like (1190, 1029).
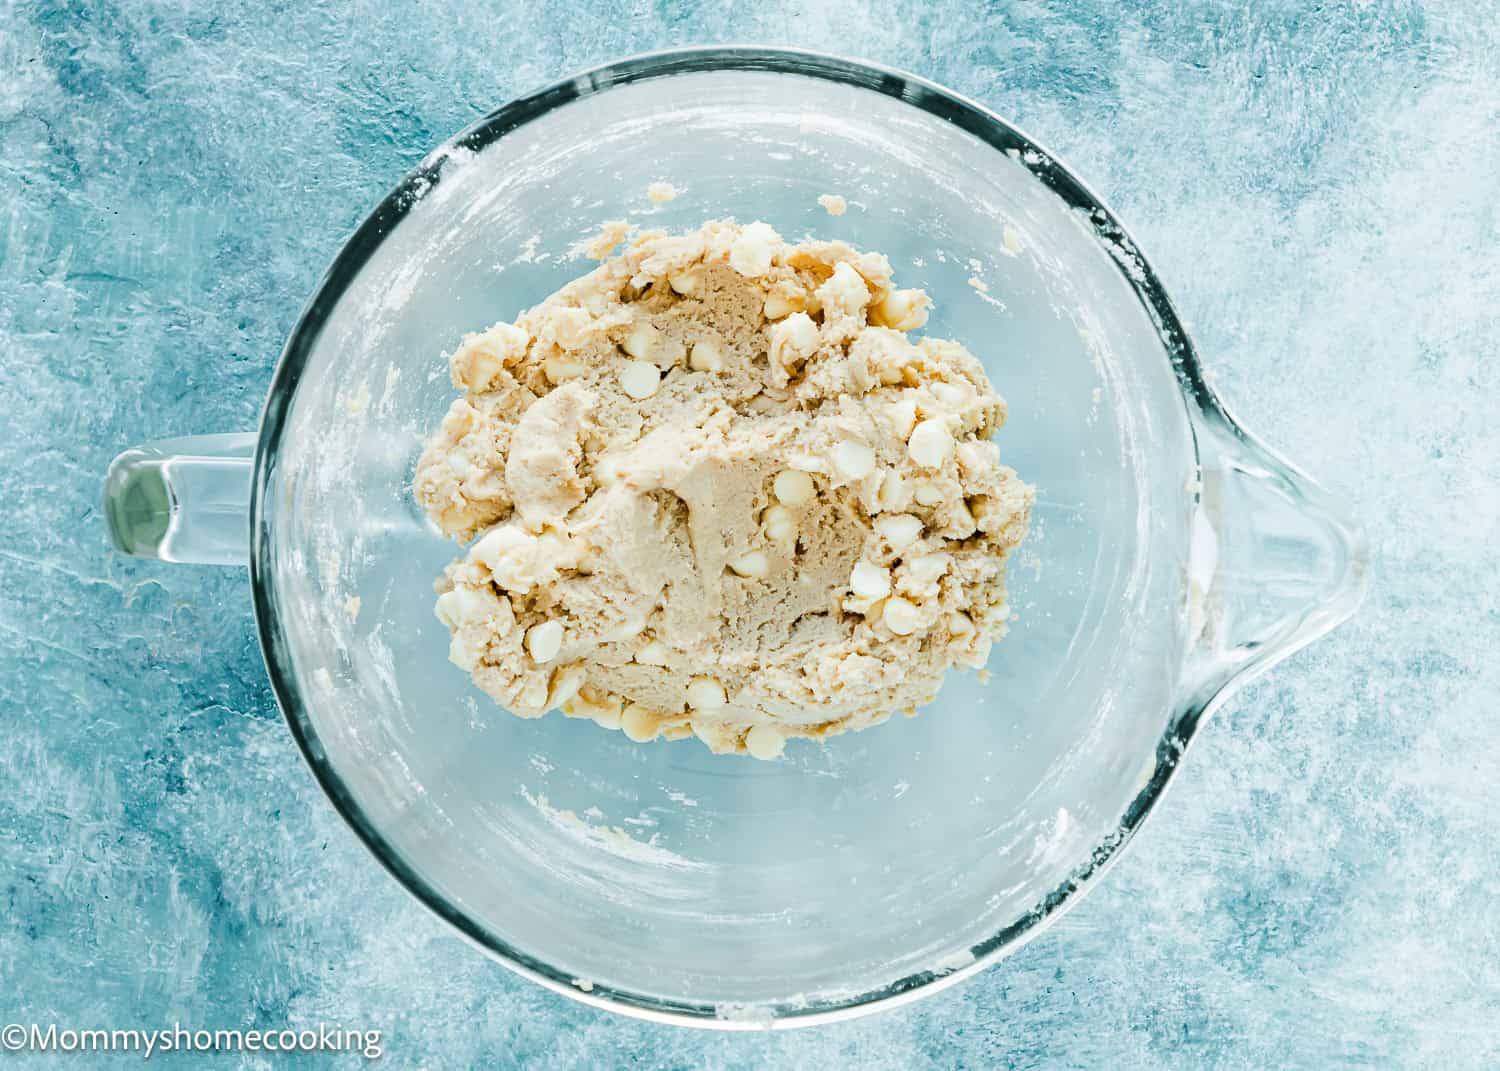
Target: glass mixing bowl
(1171, 557)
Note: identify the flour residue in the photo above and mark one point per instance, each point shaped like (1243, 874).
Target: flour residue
(611, 839)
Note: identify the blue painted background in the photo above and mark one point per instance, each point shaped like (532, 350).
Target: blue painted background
(1317, 185)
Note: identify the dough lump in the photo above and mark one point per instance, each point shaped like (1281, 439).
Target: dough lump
(719, 490)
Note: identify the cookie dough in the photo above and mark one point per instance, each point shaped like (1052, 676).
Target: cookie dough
(719, 490)
(833, 204)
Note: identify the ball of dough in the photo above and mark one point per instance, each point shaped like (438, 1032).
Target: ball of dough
(719, 490)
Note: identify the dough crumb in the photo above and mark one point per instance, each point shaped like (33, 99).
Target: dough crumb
(717, 490)
(661, 192)
(605, 242)
(834, 204)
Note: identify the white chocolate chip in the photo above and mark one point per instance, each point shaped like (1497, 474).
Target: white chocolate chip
(780, 526)
(640, 723)
(928, 568)
(793, 488)
(853, 459)
(532, 702)
(639, 379)
(900, 530)
(845, 291)
(928, 493)
(903, 310)
(886, 353)
(513, 557)
(609, 717)
(754, 565)
(706, 356)
(765, 742)
(653, 653)
(566, 680)
(544, 641)
(901, 417)
(560, 368)
(793, 339)
(684, 282)
(705, 693)
(778, 307)
(753, 250)
(627, 629)
(589, 703)
(895, 491)
(805, 462)
(641, 341)
(868, 490)
(460, 606)
(448, 608)
(930, 444)
(900, 616)
(495, 543)
(798, 333)
(718, 737)
(870, 580)
(961, 522)
(482, 356)
(951, 395)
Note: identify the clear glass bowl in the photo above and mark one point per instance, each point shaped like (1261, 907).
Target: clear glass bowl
(1171, 556)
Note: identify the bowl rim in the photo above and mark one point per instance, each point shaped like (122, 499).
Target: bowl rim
(945, 104)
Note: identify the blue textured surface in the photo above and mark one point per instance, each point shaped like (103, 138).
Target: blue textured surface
(1315, 185)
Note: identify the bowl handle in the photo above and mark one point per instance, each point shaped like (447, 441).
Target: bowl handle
(183, 500)
(1275, 561)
